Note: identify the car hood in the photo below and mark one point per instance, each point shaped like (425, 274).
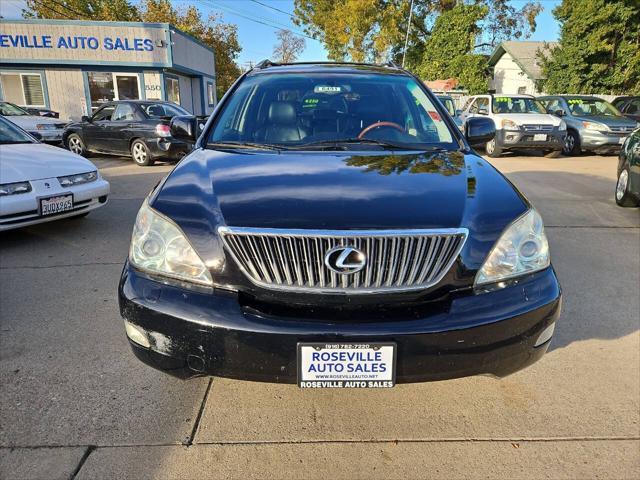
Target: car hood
(34, 161)
(530, 118)
(29, 122)
(608, 120)
(339, 191)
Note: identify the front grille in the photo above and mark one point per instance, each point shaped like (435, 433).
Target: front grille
(537, 128)
(621, 129)
(59, 125)
(295, 259)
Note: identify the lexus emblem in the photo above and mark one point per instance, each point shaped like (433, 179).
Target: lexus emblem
(345, 260)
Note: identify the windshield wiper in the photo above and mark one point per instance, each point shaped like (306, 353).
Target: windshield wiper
(262, 146)
(366, 141)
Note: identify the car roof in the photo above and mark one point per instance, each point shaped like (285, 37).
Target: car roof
(268, 67)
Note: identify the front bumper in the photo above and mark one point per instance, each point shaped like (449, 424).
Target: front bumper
(50, 136)
(524, 139)
(602, 142)
(168, 148)
(194, 333)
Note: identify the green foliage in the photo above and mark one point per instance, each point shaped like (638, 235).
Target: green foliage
(449, 51)
(599, 48)
(222, 37)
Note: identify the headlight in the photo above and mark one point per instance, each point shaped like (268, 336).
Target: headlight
(159, 246)
(598, 127)
(78, 179)
(46, 126)
(562, 127)
(509, 125)
(522, 248)
(14, 188)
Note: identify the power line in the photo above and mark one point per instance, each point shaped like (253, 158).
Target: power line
(273, 8)
(38, 2)
(69, 9)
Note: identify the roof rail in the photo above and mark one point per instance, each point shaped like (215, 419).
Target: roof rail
(266, 63)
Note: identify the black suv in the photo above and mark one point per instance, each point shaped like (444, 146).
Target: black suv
(333, 228)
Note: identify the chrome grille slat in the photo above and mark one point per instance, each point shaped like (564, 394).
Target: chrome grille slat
(294, 259)
(529, 127)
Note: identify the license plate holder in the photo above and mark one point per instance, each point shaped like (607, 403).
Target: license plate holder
(347, 365)
(539, 137)
(54, 204)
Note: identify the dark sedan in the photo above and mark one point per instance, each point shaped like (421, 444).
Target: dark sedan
(628, 185)
(139, 129)
(334, 228)
(628, 106)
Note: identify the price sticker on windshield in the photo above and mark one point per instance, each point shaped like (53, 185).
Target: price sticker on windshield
(327, 89)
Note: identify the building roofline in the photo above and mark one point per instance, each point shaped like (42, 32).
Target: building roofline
(501, 49)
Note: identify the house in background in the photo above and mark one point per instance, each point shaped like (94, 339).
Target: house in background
(516, 67)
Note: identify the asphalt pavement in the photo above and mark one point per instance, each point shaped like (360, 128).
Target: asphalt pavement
(75, 403)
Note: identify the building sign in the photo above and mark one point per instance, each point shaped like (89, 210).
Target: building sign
(98, 43)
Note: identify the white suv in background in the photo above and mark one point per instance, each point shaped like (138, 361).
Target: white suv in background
(522, 123)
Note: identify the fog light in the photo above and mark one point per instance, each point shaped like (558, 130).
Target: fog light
(546, 335)
(137, 334)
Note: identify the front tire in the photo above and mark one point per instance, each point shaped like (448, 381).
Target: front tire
(141, 154)
(493, 149)
(624, 198)
(76, 145)
(572, 143)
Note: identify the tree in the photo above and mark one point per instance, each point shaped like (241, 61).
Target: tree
(374, 30)
(289, 46)
(599, 48)
(107, 10)
(449, 51)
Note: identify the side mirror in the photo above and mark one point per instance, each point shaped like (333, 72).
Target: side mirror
(483, 111)
(184, 127)
(559, 113)
(85, 119)
(479, 130)
(36, 135)
(458, 112)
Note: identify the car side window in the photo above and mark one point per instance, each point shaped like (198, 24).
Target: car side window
(633, 107)
(104, 114)
(553, 105)
(474, 106)
(124, 112)
(482, 104)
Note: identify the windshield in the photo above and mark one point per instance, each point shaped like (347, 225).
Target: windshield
(157, 110)
(10, 133)
(449, 105)
(590, 107)
(319, 109)
(516, 105)
(9, 109)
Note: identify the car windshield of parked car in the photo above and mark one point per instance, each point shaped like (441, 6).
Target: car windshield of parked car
(591, 107)
(516, 105)
(11, 110)
(449, 105)
(10, 133)
(320, 110)
(158, 110)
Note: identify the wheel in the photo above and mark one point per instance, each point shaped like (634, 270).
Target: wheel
(552, 153)
(76, 145)
(493, 149)
(571, 143)
(623, 196)
(141, 154)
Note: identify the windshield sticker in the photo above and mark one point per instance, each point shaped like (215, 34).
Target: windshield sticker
(326, 89)
(575, 101)
(310, 103)
(435, 116)
(501, 99)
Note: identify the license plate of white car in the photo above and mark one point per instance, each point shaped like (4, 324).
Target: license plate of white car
(346, 365)
(539, 137)
(57, 204)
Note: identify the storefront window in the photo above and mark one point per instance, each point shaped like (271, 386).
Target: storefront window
(106, 87)
(210, 94)
(172, 87)
(24, 89)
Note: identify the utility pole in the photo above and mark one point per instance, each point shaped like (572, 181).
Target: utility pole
(406, 40)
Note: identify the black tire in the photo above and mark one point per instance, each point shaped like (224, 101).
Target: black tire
(552, 153)
(76, 145)
(141, 154)
(624, 198)
(493, 149)
(572, 143)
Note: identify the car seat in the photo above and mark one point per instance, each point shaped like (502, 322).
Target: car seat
(281, 125)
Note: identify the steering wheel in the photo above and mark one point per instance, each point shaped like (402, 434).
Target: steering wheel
(380, 124)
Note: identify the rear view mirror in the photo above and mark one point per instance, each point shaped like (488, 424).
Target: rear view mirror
(85, 118)
(479, 130)
(483, 111)
(458, 112)
(184, 127)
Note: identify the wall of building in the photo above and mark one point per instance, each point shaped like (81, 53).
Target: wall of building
(186, 96)
(509, 78)
(189, 54)
(66, 93)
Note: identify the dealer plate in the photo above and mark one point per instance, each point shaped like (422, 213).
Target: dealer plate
(57, 204)
(346, 365)
(539, 137)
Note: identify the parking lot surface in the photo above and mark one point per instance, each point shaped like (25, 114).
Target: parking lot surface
(75, 403)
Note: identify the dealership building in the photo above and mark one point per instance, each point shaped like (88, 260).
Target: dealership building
(73, 67)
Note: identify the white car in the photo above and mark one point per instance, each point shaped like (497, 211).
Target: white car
(522, 123)
(47, 128)
(40, 183)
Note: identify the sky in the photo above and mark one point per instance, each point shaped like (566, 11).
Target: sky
(257, 40)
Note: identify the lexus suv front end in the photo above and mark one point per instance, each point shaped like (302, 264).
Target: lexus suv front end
(333, 228)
